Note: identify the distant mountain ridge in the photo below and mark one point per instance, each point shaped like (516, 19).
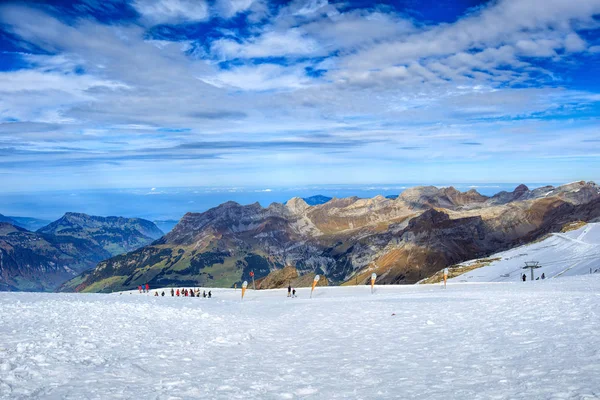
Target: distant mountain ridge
(45, 259)
(31, 224)
(403, 239)
(114, 234)
(8, 220)
(33, 261)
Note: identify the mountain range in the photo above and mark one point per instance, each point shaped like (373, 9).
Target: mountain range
(31, 224)
(43, 260)
(403, 240)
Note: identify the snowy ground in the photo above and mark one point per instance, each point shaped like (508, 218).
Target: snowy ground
(534, 340)
(560, 255)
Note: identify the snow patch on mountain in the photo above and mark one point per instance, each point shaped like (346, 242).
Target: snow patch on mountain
(561, 254)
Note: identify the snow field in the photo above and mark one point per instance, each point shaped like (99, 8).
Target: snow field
(560, 255)
(537, 340)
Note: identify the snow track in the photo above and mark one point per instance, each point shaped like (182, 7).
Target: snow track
(470, 341)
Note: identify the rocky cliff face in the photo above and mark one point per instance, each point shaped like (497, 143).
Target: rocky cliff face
(403, 239)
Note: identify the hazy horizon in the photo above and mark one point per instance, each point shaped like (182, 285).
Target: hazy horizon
(172, 203)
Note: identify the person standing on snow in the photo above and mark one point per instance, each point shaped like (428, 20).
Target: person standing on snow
(177, 292)
(524, 277)
(163, 293)
(140, 288)
(294, 293)
(204, 294)
(209, 294)
(543, 276)
(147, 288)
(172, 292)
(289, 290)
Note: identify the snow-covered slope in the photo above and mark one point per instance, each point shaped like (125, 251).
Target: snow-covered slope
(537, 340)
(562, 254)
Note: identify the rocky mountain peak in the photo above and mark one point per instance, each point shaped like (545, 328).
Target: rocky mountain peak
(428, 219)
(521, 189)
(339, 202)
(419, 195)
(74, 218)
(297, 205)
(447, 197)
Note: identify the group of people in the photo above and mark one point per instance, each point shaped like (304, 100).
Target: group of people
(188, 293)
(179, 292)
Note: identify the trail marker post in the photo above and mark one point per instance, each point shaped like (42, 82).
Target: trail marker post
(445, 277)
(244, 286)
(373, 278)
(317, 277)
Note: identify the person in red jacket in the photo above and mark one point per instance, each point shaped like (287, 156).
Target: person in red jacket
(147, 288)
(177, 292)
(140, 288)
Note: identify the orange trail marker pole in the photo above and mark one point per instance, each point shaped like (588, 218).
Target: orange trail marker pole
(373, 278)
(317, 277)
(445, 277)
(244, 286)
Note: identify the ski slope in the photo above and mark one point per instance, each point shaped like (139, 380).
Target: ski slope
(534, 340)
(560, 255)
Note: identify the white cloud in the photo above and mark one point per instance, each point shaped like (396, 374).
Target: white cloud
(356, 28)
(260, 77)
(31, 80)
(229, 8)
(308, 7)
(270, 44)
(172, 11)
(537, 48)
(532, 30)
(573, 43)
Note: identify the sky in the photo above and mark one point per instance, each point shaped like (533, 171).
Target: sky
(171, 93)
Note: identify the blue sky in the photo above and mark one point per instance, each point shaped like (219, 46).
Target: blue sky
(159, 93)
